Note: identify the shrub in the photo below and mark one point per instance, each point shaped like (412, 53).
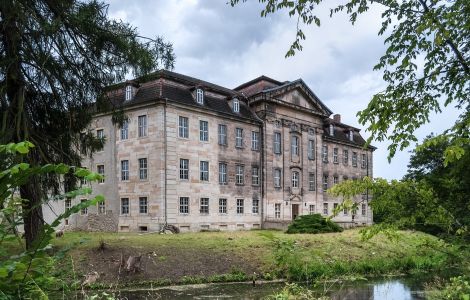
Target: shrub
(313, 224)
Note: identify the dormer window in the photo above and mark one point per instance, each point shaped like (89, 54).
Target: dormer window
(351, 135)
(200, 96)
(129, 92)
(332, 130)
(236, 105)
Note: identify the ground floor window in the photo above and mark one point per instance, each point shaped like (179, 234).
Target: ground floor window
(277, 210)
(184, 205)
(364, 209)
(124, 206)
(311, 209)
(204, 207)
(102, 207)
(222, 206)
(240, 204)
(83, 211)
(255, 206)
(325, 208)
(143, 205)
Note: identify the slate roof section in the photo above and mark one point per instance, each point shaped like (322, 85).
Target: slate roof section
(341, 134)
(253, 81)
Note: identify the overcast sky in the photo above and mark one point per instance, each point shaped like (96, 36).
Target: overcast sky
(230, 45)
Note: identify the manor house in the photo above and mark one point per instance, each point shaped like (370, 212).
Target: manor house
(204, 157)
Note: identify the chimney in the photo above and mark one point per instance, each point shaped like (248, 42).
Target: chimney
(337, 118)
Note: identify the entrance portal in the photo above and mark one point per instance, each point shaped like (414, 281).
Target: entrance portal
(295, 211)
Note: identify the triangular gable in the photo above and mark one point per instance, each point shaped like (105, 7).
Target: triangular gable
(304, 93)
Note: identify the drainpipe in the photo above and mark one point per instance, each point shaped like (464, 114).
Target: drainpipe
(262, 165)
(165, 158)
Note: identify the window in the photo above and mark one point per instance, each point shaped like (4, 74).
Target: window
(204, 206)
(124, 206)
(143, 205)
(277, 142)
(335, 179)
(325, 182)
(335, 206)
(325, 153)
(100, 134)
(183, 130)
(142, 122)
(295, 179)
(354, 159)
(100, 170)
(238, 137)
(222, 206)
(101, 207)
(363, 161)
(222, 173)
(295, 145)
(184, 205)
(311, 181)
(222, 134)
(240, 175)
(200, 96)
(311, 131)
(83, 211)
(143, 168)
(129, 92)
(311, 209)
(311, 149)
(68, 204)
(254, 175)
(335, 155)
(325, 208)
(351, 135)
(364, 209)
(240, 206)
(254, 140)
(83, 180)
(345, 211)
(203, 131)
(236, 105)
(345, 157)
(125, 130)
(184, 168)
(124, 170)
(277, 210)
(204, 170)
(277, 177)
(255, 206)
(332, 130)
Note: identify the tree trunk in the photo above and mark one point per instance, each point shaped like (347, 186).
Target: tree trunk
(32, 211)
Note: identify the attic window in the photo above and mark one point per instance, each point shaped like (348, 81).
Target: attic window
(332, 130)
(351, 135)
(129, 92)
(200, 96)
(236, 105)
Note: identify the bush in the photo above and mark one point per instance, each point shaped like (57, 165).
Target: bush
(313, 224)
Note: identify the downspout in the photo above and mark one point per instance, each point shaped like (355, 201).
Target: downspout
(165, 157)
(262, 164)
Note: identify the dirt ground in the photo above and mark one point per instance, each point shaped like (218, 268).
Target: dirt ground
(161, 263)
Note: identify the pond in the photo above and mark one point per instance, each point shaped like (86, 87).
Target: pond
(377, 289)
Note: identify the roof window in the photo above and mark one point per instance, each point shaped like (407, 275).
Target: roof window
(236, 105)
(332, 130)
(351, 135)
(199, 96)
(129, 92)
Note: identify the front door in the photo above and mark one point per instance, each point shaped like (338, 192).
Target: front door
(295, 211)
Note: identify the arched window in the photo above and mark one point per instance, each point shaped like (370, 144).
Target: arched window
(200, 96)
(236, 105)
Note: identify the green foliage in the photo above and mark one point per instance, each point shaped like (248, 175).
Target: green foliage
(458, 288)
(314, 223)
(426, 64)
(27, 273)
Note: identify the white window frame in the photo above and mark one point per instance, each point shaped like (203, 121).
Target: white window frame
(332, 130)
(311, 149)
(142, 126)
(255, 206)
(354, 159)
(183, 206)
(184, 169)
(223, 173)
(222, 133)
(143, 205)
(351, 135)
(255, 140)
(236, 105)
(124, 170)
(335, 155)
(204, 170)
(125, 130)
(204, 206)
(240, 175)
(67, 204)
(203, 131)
(277, 179)
(345, 156)
(102, 207)
(325, 153)
(199, 96)
(295, 179)
(143, 168)
(183, 127)
(223, 206)
(363, 161)
(325, 183)
(311, 209)
(240, 206)
(129, 93)
(277, 210)
(83, 211)
(255, 175)
(294, 145)
(325, 209)
(101, 171)
(100, 134)
(239, 137)
(364, 209)
(277, 143)
(125, 209)
(311, 181)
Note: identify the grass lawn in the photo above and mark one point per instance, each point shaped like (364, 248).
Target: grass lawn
(236, 256)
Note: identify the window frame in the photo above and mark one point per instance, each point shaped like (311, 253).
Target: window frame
(102, 173)
(143, 168)
(240, 206)
(363, 160)
(335, 155)
(236, 105)
(324, 153)
(276, 170)
(142, 126)
(184, 169)
(102, 207)
(277, 210)
(311, 149)
(295, 179)
(183, 127)
(143, 209)
(121, 207)
(183, 208)
(223, 167)
(325, 182)
(204, 206)
(255, 175)
(200, 96)
(311, 209)
(294, 146)
(124, 131)
(345, 157)
(354, 159)
(128, 93)
(311, 182)
(239, 137)
(222, 134)
(255, 140)
(125, 175)
(277, 144)
(83, 211)
(255, 208)
(223, 206)
(204, 170)
(326, 209)
(203, 131)
(239, 174)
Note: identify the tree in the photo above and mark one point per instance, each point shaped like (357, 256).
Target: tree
(55, 59)
(433, 32)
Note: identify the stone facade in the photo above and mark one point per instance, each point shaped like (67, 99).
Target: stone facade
(203, 157)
